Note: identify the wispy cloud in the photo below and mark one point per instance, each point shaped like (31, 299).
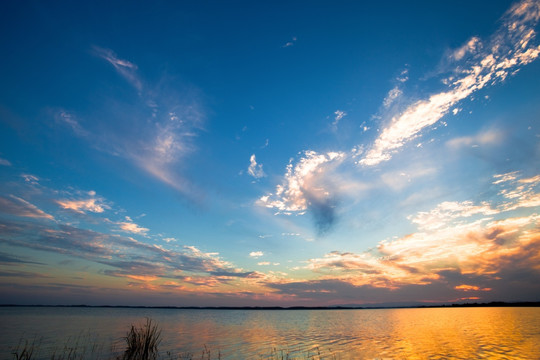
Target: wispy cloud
(67, 118)
(19, 207)
(470, 47)
(256, 254)
(510, 48)
(290, 43)
(11, 259)
(487, 137)
(398, 180)
(392, 96)
(254, 169)
(31, 179)
(124, 67)
(5, 162)
(339, 114)
(167, 122)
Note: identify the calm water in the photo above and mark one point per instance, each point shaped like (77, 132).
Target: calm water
(454, 333)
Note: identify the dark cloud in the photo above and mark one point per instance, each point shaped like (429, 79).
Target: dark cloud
(247, 274)
(23, 274)
(10, 259)
(323, 211)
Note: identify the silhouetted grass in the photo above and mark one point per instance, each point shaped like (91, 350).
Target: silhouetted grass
(141, 344)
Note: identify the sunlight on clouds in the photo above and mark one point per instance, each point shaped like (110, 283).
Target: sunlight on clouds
(509, 48)
(448, 211)
(519, 193)
(303, 183)
(460, 237)
(313, 185)
(466, 288)
(95, 205)
(470, 47)
(479, 249)
(131, 227)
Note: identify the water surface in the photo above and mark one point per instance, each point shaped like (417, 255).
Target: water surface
(435, 333)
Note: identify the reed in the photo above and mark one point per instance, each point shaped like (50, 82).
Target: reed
(142, 342)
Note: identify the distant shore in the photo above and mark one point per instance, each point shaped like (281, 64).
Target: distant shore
(348, 307)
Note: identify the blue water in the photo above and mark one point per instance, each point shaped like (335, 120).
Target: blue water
(437, 333)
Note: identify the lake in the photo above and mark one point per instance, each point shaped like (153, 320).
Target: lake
(433, 333)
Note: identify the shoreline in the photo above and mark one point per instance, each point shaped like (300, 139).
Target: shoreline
(352, 307)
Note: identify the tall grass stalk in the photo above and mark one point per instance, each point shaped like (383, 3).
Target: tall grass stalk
(142, 342)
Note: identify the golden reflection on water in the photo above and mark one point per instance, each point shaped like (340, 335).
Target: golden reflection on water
(435, 333)
(461, 333)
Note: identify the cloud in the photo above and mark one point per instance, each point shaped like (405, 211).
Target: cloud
(168, 141)
(290, 43)
(123, 67)
(11, 259)
(308, 186)
(488, 137)
(256, 254)
(339, 115)
(448, 211)
(468, 48)
(23, 274)
(19, 207)
(66, 118)
(122, 256)
(392, 96)
(517, 192)
(254, 169)
(457, 243)
(93, 204)
(509, 48)
(467, 288)
(130, 227)
(398, 180)
(155, 131)
(4, 162)
(32, 179)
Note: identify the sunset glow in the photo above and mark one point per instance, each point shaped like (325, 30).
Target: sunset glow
(260, 154)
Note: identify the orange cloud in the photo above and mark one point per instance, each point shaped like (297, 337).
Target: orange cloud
(466, 288)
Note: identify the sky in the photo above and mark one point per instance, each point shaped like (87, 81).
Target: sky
(250, 153)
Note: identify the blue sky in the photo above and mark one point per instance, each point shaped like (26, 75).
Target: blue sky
(248, 153)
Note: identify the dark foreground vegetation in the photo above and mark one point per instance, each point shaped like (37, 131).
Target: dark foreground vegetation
(141, 343)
